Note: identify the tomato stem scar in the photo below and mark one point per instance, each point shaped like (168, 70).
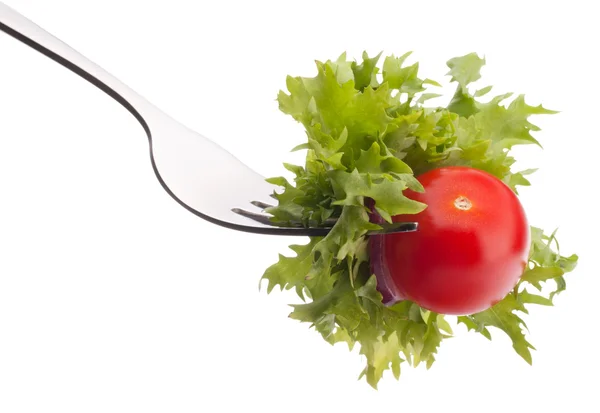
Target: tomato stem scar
(463, 203)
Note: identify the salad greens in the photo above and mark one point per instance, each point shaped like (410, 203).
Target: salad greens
(369, 133)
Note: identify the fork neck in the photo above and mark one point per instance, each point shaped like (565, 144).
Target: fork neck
(30, 34)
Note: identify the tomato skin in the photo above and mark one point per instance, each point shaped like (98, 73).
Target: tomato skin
(469, 251)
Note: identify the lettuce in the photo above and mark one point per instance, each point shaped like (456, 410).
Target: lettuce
(369, 133)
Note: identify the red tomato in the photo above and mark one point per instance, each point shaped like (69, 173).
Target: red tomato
(469, 251)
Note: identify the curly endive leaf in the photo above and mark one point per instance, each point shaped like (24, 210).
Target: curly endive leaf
(368, 134)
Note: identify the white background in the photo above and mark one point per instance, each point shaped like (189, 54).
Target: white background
(113, 298)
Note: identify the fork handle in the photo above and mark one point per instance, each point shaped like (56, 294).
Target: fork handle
(29, 33)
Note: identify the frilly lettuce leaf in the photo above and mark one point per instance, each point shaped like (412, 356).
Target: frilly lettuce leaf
(368, 134)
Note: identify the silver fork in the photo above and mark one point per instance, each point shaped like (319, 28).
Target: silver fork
(184, 161)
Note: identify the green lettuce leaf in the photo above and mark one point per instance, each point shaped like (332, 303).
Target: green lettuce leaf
(368, 134)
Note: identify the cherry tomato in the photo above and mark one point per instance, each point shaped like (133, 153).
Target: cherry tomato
(469, 251)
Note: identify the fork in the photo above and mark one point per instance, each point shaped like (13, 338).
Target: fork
(183, 161)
